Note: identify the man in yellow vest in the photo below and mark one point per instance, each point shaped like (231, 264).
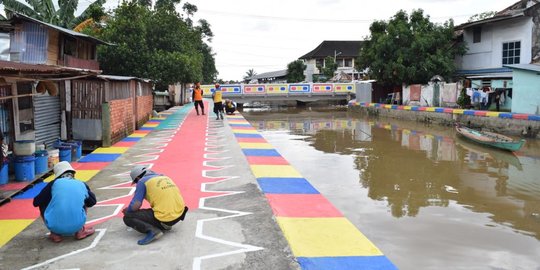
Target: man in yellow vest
(197, 97)
(217, 96)
(167, 204)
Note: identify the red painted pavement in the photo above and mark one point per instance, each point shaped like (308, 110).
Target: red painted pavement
(124, 144)
(182, 159)
(302, 205)
(89, 165)
(262, 160)
(19, 209)
(251, 140)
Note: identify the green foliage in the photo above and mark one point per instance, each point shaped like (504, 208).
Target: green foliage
(409, 49)
(295, 71)
(156, 44)
(330, 66)
(45, 11)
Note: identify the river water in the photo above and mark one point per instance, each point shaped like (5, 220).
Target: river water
(427, 198)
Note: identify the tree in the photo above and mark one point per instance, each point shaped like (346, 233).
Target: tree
(250, 73)
(157, 44)
(45, 11)
(409, 49)
(295, 71)
(330, 66)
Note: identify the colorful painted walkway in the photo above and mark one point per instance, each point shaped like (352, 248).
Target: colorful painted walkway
(319, 235)
(18, 214)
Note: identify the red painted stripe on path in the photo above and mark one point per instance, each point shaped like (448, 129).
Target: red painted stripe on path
(182, 159)
(19, 209)
(264, 160)
(302, 205)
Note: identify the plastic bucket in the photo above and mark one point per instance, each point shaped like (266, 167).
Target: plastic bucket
(76, 149)
(42, 158)
(25, 168)
(4, 176)
(65, 152)
(54, 157)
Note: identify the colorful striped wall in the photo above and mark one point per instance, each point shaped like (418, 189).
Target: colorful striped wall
(505, 115)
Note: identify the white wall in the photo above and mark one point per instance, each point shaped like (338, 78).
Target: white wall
(488, 52)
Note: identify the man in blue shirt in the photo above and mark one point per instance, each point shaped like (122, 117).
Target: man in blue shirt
(63, 203)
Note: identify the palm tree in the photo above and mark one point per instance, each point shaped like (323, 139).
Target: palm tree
(45, 11)
(250, 73)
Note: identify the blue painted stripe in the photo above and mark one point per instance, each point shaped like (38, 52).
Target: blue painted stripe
(247, 135)
(131, 139)
(100, 158)
(468, 112)
(505, 115)
(394, 107)
(146, 128)
(350, 262)
(283, 185)
(414, 108)
(439, 110)
(240, 125)
(534, 117)
(261, 152)
(32, 192)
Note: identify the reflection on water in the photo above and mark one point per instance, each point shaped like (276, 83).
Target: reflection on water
(411, 169)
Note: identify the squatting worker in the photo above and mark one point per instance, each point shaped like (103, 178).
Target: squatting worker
(165, 199)
(63, 204)
(197, 97)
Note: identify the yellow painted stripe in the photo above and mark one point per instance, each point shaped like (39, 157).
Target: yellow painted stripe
(430, 109)
(11, 227)
(256, 145)
(388, 106)
(325, 237)
(493, 114)
(110, 150)
(407, 108)
(137, 135)
(274, 171)
(238, 122)
(245, 131)
(150, 125)
(85, 175)
(458, 111)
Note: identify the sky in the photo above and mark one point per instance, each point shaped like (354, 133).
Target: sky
(266, 35)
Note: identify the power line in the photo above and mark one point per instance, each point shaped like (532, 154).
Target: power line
(322, 20)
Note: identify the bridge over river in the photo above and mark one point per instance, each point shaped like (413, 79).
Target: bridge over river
(304, 92)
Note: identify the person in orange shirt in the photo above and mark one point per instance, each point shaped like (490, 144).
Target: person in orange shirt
(197, 97)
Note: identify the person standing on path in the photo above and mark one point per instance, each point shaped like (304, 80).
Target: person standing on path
(63, 204)
(166, 202)
(217, 96)
(197, 97)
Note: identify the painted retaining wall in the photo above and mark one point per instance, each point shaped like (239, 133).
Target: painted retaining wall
(524, 125)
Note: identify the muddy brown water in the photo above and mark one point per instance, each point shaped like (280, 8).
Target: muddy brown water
(426, 197)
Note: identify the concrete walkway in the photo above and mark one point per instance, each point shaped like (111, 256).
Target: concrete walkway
(249, 209)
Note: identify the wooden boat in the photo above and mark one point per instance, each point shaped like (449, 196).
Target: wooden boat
(490, 139)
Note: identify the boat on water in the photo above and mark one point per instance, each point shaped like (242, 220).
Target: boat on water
(490, 138)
